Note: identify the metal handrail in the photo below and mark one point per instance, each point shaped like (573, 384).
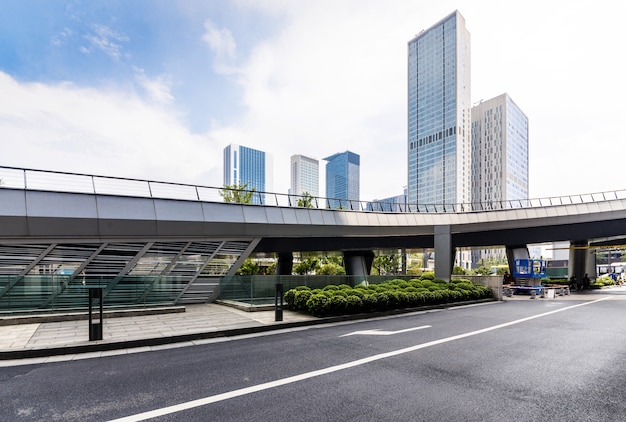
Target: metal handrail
(58, 181)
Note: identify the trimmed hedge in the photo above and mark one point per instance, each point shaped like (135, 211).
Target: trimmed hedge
(393, 294)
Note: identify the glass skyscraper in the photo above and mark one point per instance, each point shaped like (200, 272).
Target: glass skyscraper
(439, 102)
(342, 178)
(247, 165)
(305, 175)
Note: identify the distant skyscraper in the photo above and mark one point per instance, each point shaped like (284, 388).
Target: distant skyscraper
(439, 148)
(246, 165)
(499, 151)
(305, 175)
(392, 204)
(342, 178)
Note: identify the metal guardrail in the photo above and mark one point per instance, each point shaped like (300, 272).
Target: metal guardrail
(56, 181)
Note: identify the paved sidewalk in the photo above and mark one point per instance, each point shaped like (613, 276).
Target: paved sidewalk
(614, 292)
(45, 340)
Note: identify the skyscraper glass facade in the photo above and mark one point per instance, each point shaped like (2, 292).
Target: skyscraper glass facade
(305, 175)
(439, 148)
(342, 178)
(247, 165)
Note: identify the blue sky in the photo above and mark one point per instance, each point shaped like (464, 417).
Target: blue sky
(156, 89)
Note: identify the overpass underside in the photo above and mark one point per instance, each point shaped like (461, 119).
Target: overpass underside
(56, 277)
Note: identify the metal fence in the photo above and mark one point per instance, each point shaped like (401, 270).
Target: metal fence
(55, 181)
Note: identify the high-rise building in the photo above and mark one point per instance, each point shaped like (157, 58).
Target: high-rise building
(305, 175)
(439, 120)
(499, 161)
(342, 178)
(499, 152)
(392, 204)
(243, 165)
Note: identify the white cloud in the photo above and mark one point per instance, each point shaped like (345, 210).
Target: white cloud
(106, 40)
(158, 88)
(222, 44)
(68, 128)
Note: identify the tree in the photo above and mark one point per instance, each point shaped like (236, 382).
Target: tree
(306, 201)
(237, 193)
(271, 269)
(483, 270)
(331, 269)
(249, 267)
(386, 264)
(457, 270)
(306, 266)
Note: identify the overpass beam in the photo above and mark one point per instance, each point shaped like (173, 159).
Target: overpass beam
(284, 266)
(358, 263)
(444, 253)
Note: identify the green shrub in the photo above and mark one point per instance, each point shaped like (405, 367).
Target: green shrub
(300, 299)
(456, 295)
(393, 294)
(338, 305)
(354, 304)
(370, 302)
(318, 305)
(428, 276)
(290, 294)
(358, 293)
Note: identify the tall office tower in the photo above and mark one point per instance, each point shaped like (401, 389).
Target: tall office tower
(439, 147)
(499, 159)
(246, 165)
(305, 175)
(342, 178)
(499, 151)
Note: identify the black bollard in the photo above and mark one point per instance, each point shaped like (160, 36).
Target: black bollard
(278, 302)
(95, 324)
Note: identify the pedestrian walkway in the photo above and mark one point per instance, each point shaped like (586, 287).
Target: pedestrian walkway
(45, 340)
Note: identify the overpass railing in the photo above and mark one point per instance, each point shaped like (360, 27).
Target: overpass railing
(56, 181)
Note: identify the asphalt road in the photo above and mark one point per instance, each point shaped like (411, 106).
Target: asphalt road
(506, 361)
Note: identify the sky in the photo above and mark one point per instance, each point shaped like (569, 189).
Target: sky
(156, 89)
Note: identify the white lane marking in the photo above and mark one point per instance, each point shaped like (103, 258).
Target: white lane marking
(379, 332)
(289, 380)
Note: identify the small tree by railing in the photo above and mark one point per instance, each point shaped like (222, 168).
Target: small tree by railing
(237, 193)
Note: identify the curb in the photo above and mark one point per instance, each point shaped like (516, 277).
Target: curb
(127, 344)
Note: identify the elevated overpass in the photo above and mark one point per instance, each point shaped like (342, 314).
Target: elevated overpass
(171, 243)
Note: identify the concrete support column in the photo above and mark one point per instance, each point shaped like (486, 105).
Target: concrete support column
(358, 263)
(578, 254)
(591, 268)
(514, 252)
(403, 252)
(444, 253)
(284, 266)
